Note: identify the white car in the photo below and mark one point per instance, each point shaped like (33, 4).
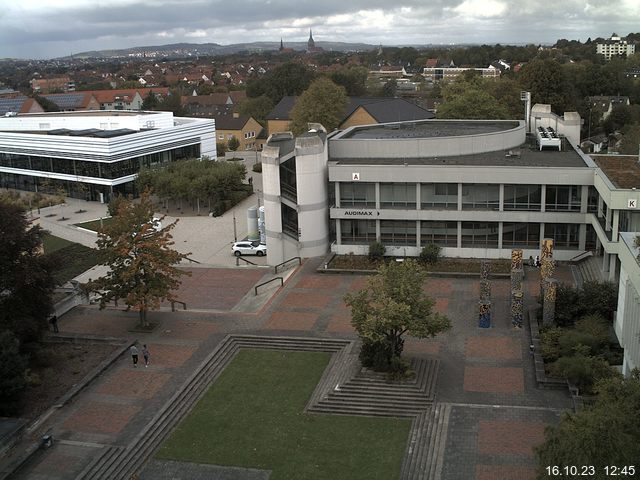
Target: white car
(249, 248)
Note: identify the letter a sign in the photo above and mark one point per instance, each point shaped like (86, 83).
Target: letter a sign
(355, 177)
(632, 203)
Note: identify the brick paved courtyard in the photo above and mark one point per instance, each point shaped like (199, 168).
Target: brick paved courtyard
(498, 415)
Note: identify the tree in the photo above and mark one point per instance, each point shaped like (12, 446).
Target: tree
(286, 79)
(323, 102)
(393, 303)
(389, 88)
(631, 140)
(353, 79)
(605, 434)
(546, 81)
(13, 367)
(150, 102)
(26, 281)
(469, 99)
(233, 144)
(142, 264)
(258, 108)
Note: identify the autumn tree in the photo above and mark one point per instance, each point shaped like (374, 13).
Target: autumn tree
(604, 434)
(258, 108)
(142, 263)
(392, 304)
(323, 102)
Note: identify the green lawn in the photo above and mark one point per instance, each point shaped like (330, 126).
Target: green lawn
(94, 225)
(252, 416)
(71, 259)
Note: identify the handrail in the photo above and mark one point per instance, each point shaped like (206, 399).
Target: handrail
(581, 256)
(255, 289)
(173, 305)
(275, 269)
(192, 260)
(244, 260)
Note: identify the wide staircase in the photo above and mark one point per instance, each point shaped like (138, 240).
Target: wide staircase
(344, 389)
(370, 393)
(120, 463)
(590, 269)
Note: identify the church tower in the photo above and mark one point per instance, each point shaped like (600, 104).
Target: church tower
(311, 45)
(281, 45)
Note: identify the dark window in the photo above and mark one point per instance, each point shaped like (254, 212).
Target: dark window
(480, 234)
(288, 186)
(522, 197)
(478, 196)
(564, 235)
(563, 198)
(520, 235)
(398, 195)
(398, 232)
(290, 221)
(357, 194)
(444, 234)
(441, 196)
(359, 232)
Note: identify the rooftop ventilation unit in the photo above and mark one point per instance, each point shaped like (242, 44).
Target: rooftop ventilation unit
(547, 137)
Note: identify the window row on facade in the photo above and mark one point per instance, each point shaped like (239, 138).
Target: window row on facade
(86, 168)
(464, 234)
(470, 196)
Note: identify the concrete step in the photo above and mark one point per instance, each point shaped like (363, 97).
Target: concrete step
(122, 464)
(370, 411)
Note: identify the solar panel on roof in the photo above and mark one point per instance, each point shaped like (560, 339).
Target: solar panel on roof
(66, 100)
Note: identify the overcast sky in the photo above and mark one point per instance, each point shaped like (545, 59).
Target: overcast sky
(45, 29)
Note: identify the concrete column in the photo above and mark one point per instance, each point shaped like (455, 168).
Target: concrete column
(615, 222)
(337, 193)
(584, 199)
(378, 198)
(459, 234)
(501, 203)
(541, 233)
(605, 262)
(582, 237)
(500, 230)
(607, 221)
(459, 208)
(378, 235)
(613, 260)
(543, 199)
(418, 233)
(418, 197)
(338, 232)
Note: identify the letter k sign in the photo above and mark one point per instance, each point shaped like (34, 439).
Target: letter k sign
(632, 203)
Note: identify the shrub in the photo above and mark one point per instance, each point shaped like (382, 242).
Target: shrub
(114, 204)
(583, 371)
(376, 251)
(573, 304)
(257, 167)
(430, 254)
(549, 343)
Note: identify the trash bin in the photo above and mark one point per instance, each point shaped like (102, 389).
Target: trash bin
(47, 441)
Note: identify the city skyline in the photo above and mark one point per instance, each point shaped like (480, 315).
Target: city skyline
(35, 29)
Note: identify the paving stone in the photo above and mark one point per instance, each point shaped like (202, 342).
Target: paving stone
(101, 417)
(291, 321)
(494, 379)
(504, 472)
(494, 347)
(133, 382)
(498, 437)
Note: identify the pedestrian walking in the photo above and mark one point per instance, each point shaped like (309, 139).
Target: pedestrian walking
(134, 355)
(532, 262)
(538, 261)
(145, 355)
(54, 323)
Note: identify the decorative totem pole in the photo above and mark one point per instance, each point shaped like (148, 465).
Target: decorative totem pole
(548, 285)
(517, 295)
(484, 305)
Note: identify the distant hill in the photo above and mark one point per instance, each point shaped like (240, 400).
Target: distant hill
(217, 49)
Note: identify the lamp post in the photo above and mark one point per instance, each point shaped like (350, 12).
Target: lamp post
(235, 232)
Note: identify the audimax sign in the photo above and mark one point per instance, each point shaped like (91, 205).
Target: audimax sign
(361, 213)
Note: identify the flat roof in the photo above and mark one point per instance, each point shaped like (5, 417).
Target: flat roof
(429, 129)
(622, 170)
(527, 155)
(90, 113)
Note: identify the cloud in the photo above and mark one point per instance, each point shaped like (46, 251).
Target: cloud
(33, 28)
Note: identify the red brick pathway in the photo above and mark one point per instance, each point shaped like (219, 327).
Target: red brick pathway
(493, 379)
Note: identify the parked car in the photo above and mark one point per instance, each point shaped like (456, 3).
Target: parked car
(249, 248)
